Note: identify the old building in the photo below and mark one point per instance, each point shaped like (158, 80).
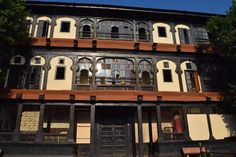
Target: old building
(113, 81)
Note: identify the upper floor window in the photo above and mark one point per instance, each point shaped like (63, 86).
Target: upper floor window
(43, 27)
(145, 75)
(162, 31)
(114, 32)
(184, 36)
(83, 74)
(200, 35)
(142, 34)
(60, 73)
(65, 26)
(86, 32)
(17, 60)
(167, 76)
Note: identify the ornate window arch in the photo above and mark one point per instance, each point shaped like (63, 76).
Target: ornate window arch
(84, 74)
(145, 73)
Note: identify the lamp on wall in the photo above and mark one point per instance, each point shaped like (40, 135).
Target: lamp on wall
(154, 46)
(93, 99)
(41, 97)
(72, 97)
(159, 98)
(178, 48)
(94, 44)
(136, 46)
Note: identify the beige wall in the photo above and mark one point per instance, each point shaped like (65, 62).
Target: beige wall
(83, 128)
(167, 86)
(32, 63)
(177, 31)
(156, 39)
(65, 84)
(223, 125)
(198, 127)
(183, 68)
(69, 35)
(44, 18)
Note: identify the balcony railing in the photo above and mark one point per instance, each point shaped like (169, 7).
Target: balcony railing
(55, 138)
(115, 36)
(27, 137)
(173, 136)
(6, 136)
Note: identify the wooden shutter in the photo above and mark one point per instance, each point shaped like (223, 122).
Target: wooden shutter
(196, 81)
(181, 36)
(189, 36)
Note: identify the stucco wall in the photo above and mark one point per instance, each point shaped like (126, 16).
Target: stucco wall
(167, 86)
(83, 128)
(69, 35)
(198, 127)
(168, 39)
(65, 84)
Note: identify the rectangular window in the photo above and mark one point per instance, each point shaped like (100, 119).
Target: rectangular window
(188, 66)
(167, 77)
(201, 35)
(162, 32)
(184, 36)
(61, 61)
(65, 26)
(17, 60)
(166, 64)
(37, 60)
(60, 73)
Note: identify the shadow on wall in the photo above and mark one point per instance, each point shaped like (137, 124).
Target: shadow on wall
(229, 120)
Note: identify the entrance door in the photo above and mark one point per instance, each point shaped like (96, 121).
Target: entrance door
(113, 136)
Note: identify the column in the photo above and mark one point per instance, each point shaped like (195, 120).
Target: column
(77, 28)
(18, 120)
(136, 61)
(158, 117)
(140, 127)
(209, 124)
(46, 68)
(72, 126)
(39, 137)
(34, 23)
(134, 30)
(53, 24)
(185, 121)
(94, 61)
(95, 28)
(74, 69)
(179, 72)
(150, 30)
(155, 70)
(92, 128)
(150, 131)
(172, 26)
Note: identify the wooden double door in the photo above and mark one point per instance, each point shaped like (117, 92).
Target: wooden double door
(114, 134)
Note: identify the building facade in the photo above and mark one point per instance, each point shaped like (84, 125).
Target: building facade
(112, 81)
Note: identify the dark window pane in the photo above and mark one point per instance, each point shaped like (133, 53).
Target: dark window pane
(166, 64)
(65, 26)
(86, 31)
(37, 60)
(188, 66)
(184, 36)
(142, 34)
(60, 73)
(167, 77)
(114, 32)
(61, 61)
(17, 60)
(162, 31)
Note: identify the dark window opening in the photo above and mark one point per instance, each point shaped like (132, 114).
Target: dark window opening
(60, 73)
(86, 31)
(192, 81)
(37, 60)
(201, 35)
(65, 26)
(142, 34)
(146, 78)
(61, 61)
(188, 66)
(114, 32)
(84, 76)
(17, 60)
(166, 64)
(162, 32)
(167, 77)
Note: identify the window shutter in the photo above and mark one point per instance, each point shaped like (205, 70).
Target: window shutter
(196, 81)
(40, 28)
(181, 35)
(189, 36)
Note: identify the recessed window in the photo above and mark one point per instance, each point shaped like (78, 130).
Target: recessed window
(115, 32)
(142, 34)
(188, 66)
(43, 28)
(61, 61)
(86, 31)
(65, 26)
(162, 31)
(17, 60)
(60, 73)
(167, 77)
(37, 60)
(166, 64)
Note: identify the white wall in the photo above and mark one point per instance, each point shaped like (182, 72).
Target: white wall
(177, 31)
(30, 26)
(69, 35)
(168, 39)
(167, 86)
(65, 84)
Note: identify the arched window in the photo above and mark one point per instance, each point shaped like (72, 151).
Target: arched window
(142, 34)
(145, 75)
(84, 76)
(114, 32)
(86, 32)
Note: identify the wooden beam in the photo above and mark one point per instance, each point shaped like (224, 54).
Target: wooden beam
(72, 124)
(39, 137)
(140, 130)
(18, 120)
(158, 117)
(92, 128)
